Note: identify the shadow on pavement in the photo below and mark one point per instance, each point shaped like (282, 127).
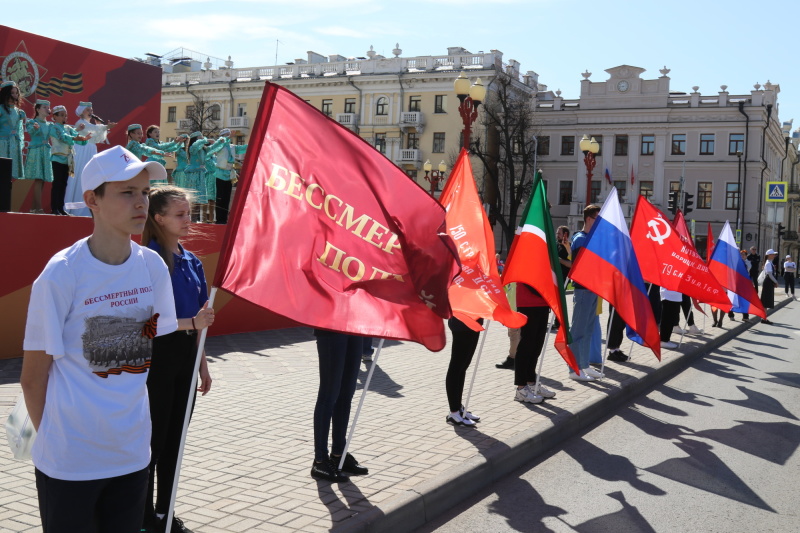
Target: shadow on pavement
(381, 382)
(10, 370)
(519, 494)
(792, 379)
(626, 519)
(761, 402)
(772, 441)
(354, 501)
(682, 396)
(601, 464)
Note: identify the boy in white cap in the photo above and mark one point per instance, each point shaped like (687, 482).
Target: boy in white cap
(88, 340)
(789, 272)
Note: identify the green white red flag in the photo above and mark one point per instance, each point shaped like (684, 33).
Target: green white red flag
(526, 263)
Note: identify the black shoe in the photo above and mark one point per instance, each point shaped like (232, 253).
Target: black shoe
(732, 317)
(744, 317)
(327, 471)
(151, 523)
(177, 526)
(765, 321)
(350, 465)
(617, 356)
(508, 363)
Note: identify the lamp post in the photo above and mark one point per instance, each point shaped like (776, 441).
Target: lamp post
(471, 97)
(434, 176)
(589, 147)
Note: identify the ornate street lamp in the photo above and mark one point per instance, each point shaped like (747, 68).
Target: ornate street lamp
(470, 97)
(589, 149)
(434, 176)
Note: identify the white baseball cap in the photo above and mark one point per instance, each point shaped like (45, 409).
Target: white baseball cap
(771, 252)
(117, 164)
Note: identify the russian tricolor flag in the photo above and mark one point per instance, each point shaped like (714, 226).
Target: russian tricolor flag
(728, 267)
(607, 266)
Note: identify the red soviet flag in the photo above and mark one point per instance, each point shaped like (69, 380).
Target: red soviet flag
(328, 232)
(477, 292)
(670, 260)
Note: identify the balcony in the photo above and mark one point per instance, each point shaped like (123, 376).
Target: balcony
(238, 123)
(412, 119)
(790, 236)
(410, 155)
(347, 119)
(184, 125)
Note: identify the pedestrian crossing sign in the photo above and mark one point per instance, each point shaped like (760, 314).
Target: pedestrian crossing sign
(776, 191)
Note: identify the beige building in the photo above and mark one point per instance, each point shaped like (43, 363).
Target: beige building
(405, 107)
(663, 137)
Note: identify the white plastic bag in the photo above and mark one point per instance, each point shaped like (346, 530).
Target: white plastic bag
(20, 431)
(762, 277)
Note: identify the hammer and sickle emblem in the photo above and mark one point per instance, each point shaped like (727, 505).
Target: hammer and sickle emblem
(657, 235)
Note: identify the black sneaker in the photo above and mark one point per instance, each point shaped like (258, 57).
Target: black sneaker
(617, 356)
(177, 526)
(327, 471)
(350, 465)
(508, 363)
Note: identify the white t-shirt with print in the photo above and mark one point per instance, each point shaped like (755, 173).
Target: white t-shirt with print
(89, 316)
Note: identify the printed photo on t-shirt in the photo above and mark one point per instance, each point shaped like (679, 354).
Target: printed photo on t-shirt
(118, 343)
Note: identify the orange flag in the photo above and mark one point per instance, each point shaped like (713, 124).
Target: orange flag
(477, 292)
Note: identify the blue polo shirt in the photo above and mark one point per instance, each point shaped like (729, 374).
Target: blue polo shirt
(188, 282)
(578, 242)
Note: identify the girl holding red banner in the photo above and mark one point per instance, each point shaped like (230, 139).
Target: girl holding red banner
(12, 128)
(173, 362)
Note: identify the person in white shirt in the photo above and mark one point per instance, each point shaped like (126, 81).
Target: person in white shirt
(93, 313)
(670, 316)
(770, 282)
(789, 272)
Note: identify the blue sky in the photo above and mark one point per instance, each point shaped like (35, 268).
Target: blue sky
(735, 43)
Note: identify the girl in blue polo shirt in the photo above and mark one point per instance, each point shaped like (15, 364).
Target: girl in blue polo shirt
(174, 355)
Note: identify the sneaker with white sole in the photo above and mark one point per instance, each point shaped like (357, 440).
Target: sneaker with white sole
(526, 395)
(542, 391)
(591, 372)
(580, 377)
(468, 415)
(694, 330)
(668, 345)
(456, 419)
(678, 330)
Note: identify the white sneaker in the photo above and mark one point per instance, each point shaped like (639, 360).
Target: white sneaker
(679, 330)
(542, 391)
(580, 377)
(456, 419)
(694, 330)
(468, 415)
(526, 395)
(591, 372)
(668, 345)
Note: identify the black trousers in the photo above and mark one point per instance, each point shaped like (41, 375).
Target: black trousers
(111, 505)
(670, 314)
(59, 188)
(169, 386)
(223, 200)
(464, 343)
(615, 332)
(531, 340)
(686, 307)
(788, 282)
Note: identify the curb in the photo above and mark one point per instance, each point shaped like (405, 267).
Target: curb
(414, 508)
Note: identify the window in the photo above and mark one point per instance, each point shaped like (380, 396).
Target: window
(543, 145)
(517, 145)
(564, 192)
(189, 111)
(621, 145)
(674, 186)
(171, 113)
(327, 107)
(241, 110)
(704, 195)
(735, 143)
(648, 144)
(731, 196)
(349, 105)
(706, 144)
(380, 142)
(678, 144)
(595, 191)
(440, 103)
(414, 103)
(622, 187)
(240, 139)
(438, 143)
(412, 141)
(382, 107)
(646, 189)
(568, 145)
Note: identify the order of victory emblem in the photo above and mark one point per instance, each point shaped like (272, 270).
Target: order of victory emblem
(21, 68)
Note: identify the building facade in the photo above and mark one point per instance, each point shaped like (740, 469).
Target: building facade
(654, 140)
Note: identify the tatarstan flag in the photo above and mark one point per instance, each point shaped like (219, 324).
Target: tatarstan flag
(526, 264)
(477, 292)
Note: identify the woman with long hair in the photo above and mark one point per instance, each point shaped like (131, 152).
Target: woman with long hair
(770, 282)
(153, 140)
(93, 126)
(12, 127)
(37, 163)
(174, 355)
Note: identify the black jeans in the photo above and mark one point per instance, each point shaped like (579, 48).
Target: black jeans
(111, 505)
(686, 307)
(464, 343)
(169, 386)
(616, 328)
(339, 361)
(532, 336)
(223, 200)
(59, 188)
(671, 312)
(788, 282)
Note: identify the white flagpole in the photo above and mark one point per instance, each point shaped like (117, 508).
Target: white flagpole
(361, 402)
(477, 361)
(200, 346)
(683, 329)
(541, 355)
